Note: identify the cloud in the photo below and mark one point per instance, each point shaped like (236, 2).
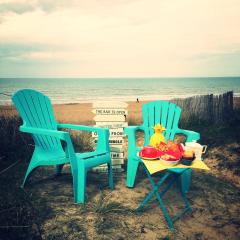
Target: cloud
(16, 7)
(38, 53)
(226, 51)
(18, 52)
(21, 6)
(224, 63)
(124, 37)
(48, 6)
(9, 50)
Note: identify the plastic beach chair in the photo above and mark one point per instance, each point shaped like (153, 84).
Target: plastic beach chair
(36, 112)
(167, 114)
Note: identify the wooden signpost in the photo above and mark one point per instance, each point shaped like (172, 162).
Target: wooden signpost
(112, 115)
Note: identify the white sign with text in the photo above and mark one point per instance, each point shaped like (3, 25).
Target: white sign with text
(112, 115)
(114, 132)
(106, 111)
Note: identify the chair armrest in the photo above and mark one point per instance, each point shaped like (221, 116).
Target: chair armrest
(191, 135)
(65, 136)
(47, 132)
(131, 134)
(103, 135)
(81, 127)
(128, 130)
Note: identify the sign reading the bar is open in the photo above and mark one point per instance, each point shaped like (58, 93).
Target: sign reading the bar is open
(106, 111)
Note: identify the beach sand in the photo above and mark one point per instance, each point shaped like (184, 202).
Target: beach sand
(81, 113)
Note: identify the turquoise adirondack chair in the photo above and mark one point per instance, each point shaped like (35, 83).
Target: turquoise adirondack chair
(36, 112)
(167, 114)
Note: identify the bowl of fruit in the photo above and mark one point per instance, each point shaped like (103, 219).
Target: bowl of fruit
(170, 158)
(187, 157)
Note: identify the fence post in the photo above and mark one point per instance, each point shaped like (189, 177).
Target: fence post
(211, 108)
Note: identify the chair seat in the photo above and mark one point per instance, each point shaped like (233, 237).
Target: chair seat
(50, 157)
(91, 159)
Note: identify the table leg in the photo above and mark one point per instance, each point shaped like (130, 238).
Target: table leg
(155, 189)
(159, 196)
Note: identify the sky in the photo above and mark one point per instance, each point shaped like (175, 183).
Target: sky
(119, 38)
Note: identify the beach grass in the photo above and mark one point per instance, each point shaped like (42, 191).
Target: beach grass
(45, 208)
(14, 144)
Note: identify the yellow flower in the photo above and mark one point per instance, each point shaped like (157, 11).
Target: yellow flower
(157, 137)
(159, 127)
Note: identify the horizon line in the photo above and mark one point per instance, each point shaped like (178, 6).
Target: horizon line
(115, 77)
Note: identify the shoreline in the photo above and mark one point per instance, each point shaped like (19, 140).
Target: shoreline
(236, 100)
(128, 98)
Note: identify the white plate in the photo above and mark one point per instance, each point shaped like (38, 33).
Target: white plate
(169, 163)
(146, 158)
(150, 159)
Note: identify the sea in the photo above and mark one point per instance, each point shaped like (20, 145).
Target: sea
(89, 90)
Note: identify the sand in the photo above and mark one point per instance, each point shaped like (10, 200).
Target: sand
(79, 112)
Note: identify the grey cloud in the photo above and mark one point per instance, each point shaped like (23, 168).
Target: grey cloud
(16, 7)
(16, 50)
(50, 5)
(205, 56)
(230, 51)
(27, 6)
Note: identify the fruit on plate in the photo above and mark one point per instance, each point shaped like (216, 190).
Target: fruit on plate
(188, 154)
(171, 156)
(169, 160)
(167, 152)
(168, 157)
(162, 147)
(181, 147)
(149, 152)
(172, 146)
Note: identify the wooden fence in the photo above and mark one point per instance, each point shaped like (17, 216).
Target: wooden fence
(209, 108)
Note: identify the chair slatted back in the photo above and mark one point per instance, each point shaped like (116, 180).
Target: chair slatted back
(165, 113)
(36, 111)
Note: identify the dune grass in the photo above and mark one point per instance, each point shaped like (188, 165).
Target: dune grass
(18, 216)
(47, 211)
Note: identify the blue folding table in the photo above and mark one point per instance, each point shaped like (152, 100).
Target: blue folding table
(175, 172)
